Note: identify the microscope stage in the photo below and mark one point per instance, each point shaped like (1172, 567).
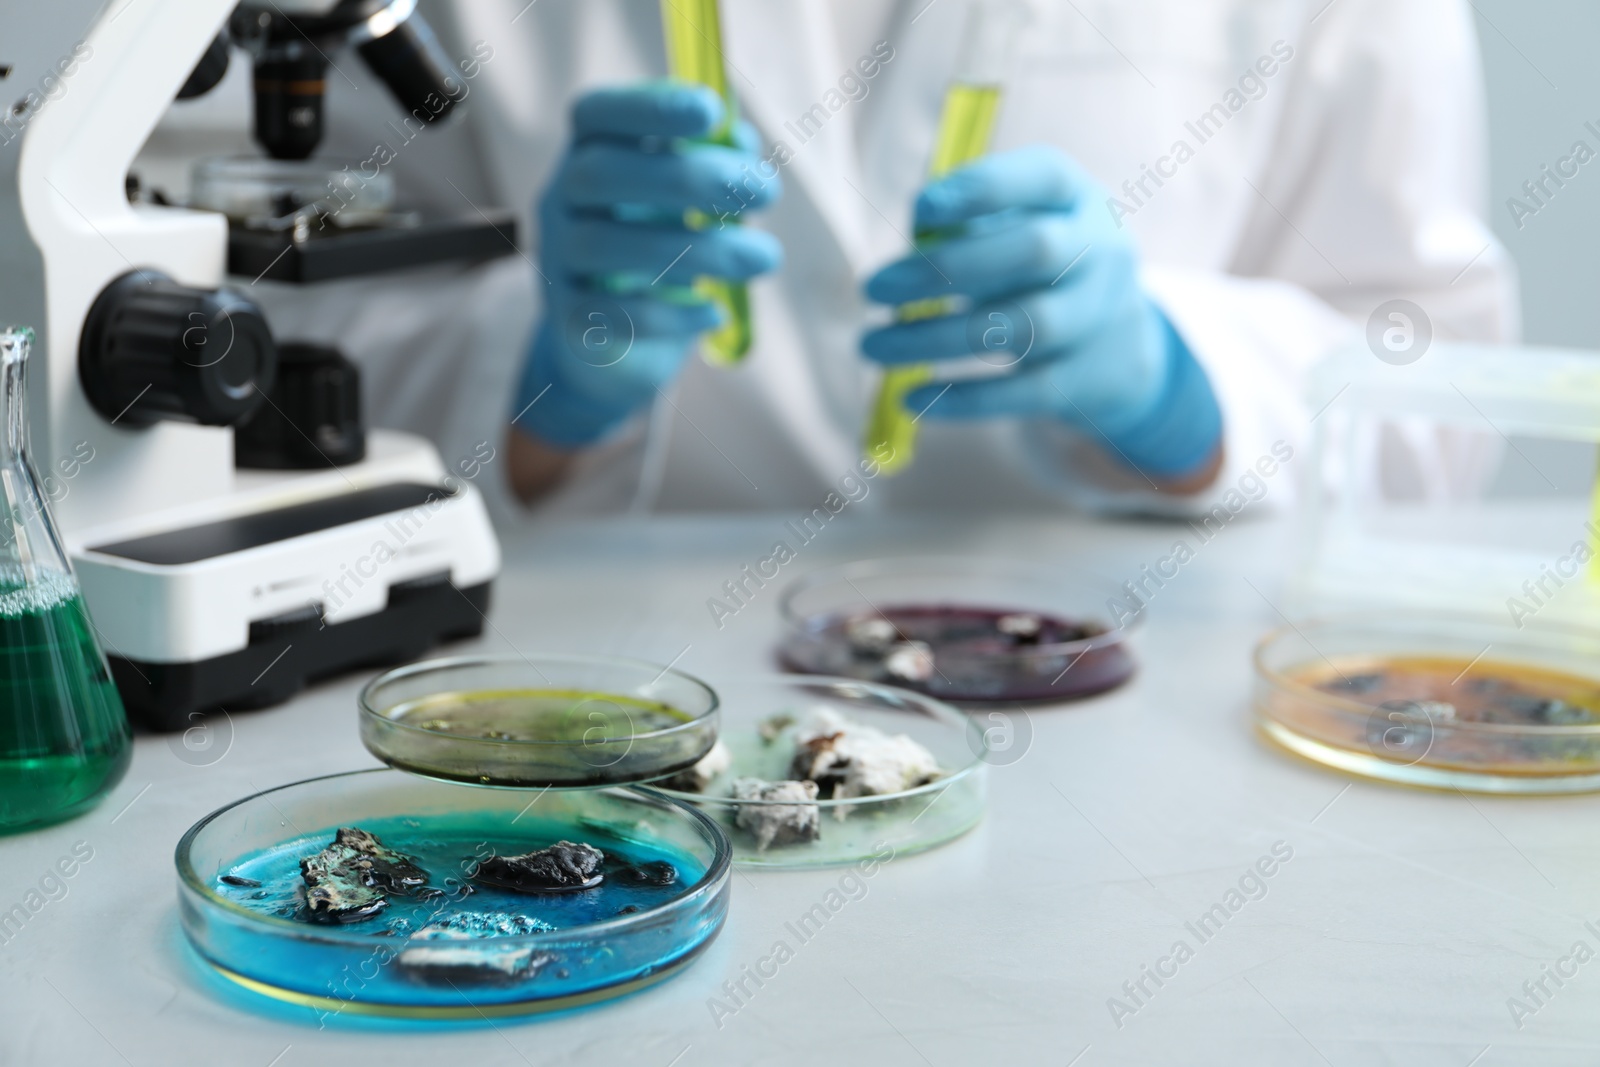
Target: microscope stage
(274, 255)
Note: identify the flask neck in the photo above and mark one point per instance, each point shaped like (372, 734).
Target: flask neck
(15, 344)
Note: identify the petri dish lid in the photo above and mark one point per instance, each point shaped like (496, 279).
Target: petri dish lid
(247, 188)
(533, 722)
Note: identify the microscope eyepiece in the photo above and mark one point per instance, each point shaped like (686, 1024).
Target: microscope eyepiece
(412, 63)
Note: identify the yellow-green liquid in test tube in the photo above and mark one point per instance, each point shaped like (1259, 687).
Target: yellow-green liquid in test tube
(693, 32)
(966, 124)
(1594, 518)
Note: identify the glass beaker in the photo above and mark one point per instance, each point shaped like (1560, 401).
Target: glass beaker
(64, 738)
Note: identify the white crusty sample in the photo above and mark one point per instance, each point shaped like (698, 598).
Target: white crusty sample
(787, 815)
(697, 778)
(470, 943)
(858, 760)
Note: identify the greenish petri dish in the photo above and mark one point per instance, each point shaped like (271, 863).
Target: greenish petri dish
(855, 829)
(549, 721)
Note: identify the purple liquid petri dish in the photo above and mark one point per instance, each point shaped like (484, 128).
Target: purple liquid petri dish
(973, 631)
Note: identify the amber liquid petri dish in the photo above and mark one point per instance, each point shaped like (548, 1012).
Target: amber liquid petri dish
(556, 721)
(1445, 701)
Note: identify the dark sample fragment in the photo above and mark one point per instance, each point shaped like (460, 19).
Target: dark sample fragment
(432, 894)
(564, 867)
(348, 880)
(629, 909)
(1355, 683)
(654, 873)
(240, 881)
(815, 761)
(1549, 712)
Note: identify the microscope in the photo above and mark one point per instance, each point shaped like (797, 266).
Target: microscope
(235, 530)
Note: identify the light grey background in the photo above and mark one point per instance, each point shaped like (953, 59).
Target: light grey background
(1544, 83)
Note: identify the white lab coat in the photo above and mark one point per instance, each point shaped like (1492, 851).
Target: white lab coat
(1353, 176)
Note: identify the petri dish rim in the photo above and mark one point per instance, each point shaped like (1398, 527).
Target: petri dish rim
(964, 565)
(717, 870)
(713, 703)
(1360, 712)
(939, 710)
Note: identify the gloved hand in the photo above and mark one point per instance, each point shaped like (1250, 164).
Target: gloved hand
(616, 256)
(1026, 237)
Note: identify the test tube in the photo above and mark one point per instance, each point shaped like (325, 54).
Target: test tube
(966, 123)
(693, 32)
(1594, 515)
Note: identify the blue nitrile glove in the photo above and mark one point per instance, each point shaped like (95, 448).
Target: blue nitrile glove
(1025, 236)
(617, 258)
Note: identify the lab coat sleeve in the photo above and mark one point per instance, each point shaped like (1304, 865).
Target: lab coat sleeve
(1369, 189)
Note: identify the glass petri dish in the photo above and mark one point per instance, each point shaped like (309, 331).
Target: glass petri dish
(251, 189)
(958, 628)
(394, 964)
(558, 721)
(845, 830)
(1450, 701)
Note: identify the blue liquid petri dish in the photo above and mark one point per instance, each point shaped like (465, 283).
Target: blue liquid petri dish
(459, 947)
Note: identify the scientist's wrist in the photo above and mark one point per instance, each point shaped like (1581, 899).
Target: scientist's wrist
(534, 468)
(1177, 443)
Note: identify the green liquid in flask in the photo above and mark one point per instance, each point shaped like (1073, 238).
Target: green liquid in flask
(693, 31)
(965, 126)
(64, 738)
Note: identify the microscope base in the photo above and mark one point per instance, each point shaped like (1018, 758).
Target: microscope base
(420, 614)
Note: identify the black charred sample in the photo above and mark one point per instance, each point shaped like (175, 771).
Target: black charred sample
(657, 873)
(564, 867)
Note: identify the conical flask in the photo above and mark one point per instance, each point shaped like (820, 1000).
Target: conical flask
(64, 738)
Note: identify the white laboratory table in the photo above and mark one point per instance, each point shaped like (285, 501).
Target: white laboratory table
(1396, 931)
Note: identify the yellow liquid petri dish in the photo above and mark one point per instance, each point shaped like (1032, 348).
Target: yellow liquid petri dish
(1449, 702)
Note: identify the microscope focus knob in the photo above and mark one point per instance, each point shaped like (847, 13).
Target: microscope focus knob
(314, 420)
(153, 349)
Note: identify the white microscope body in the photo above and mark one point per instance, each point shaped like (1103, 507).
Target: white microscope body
(209, 586)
